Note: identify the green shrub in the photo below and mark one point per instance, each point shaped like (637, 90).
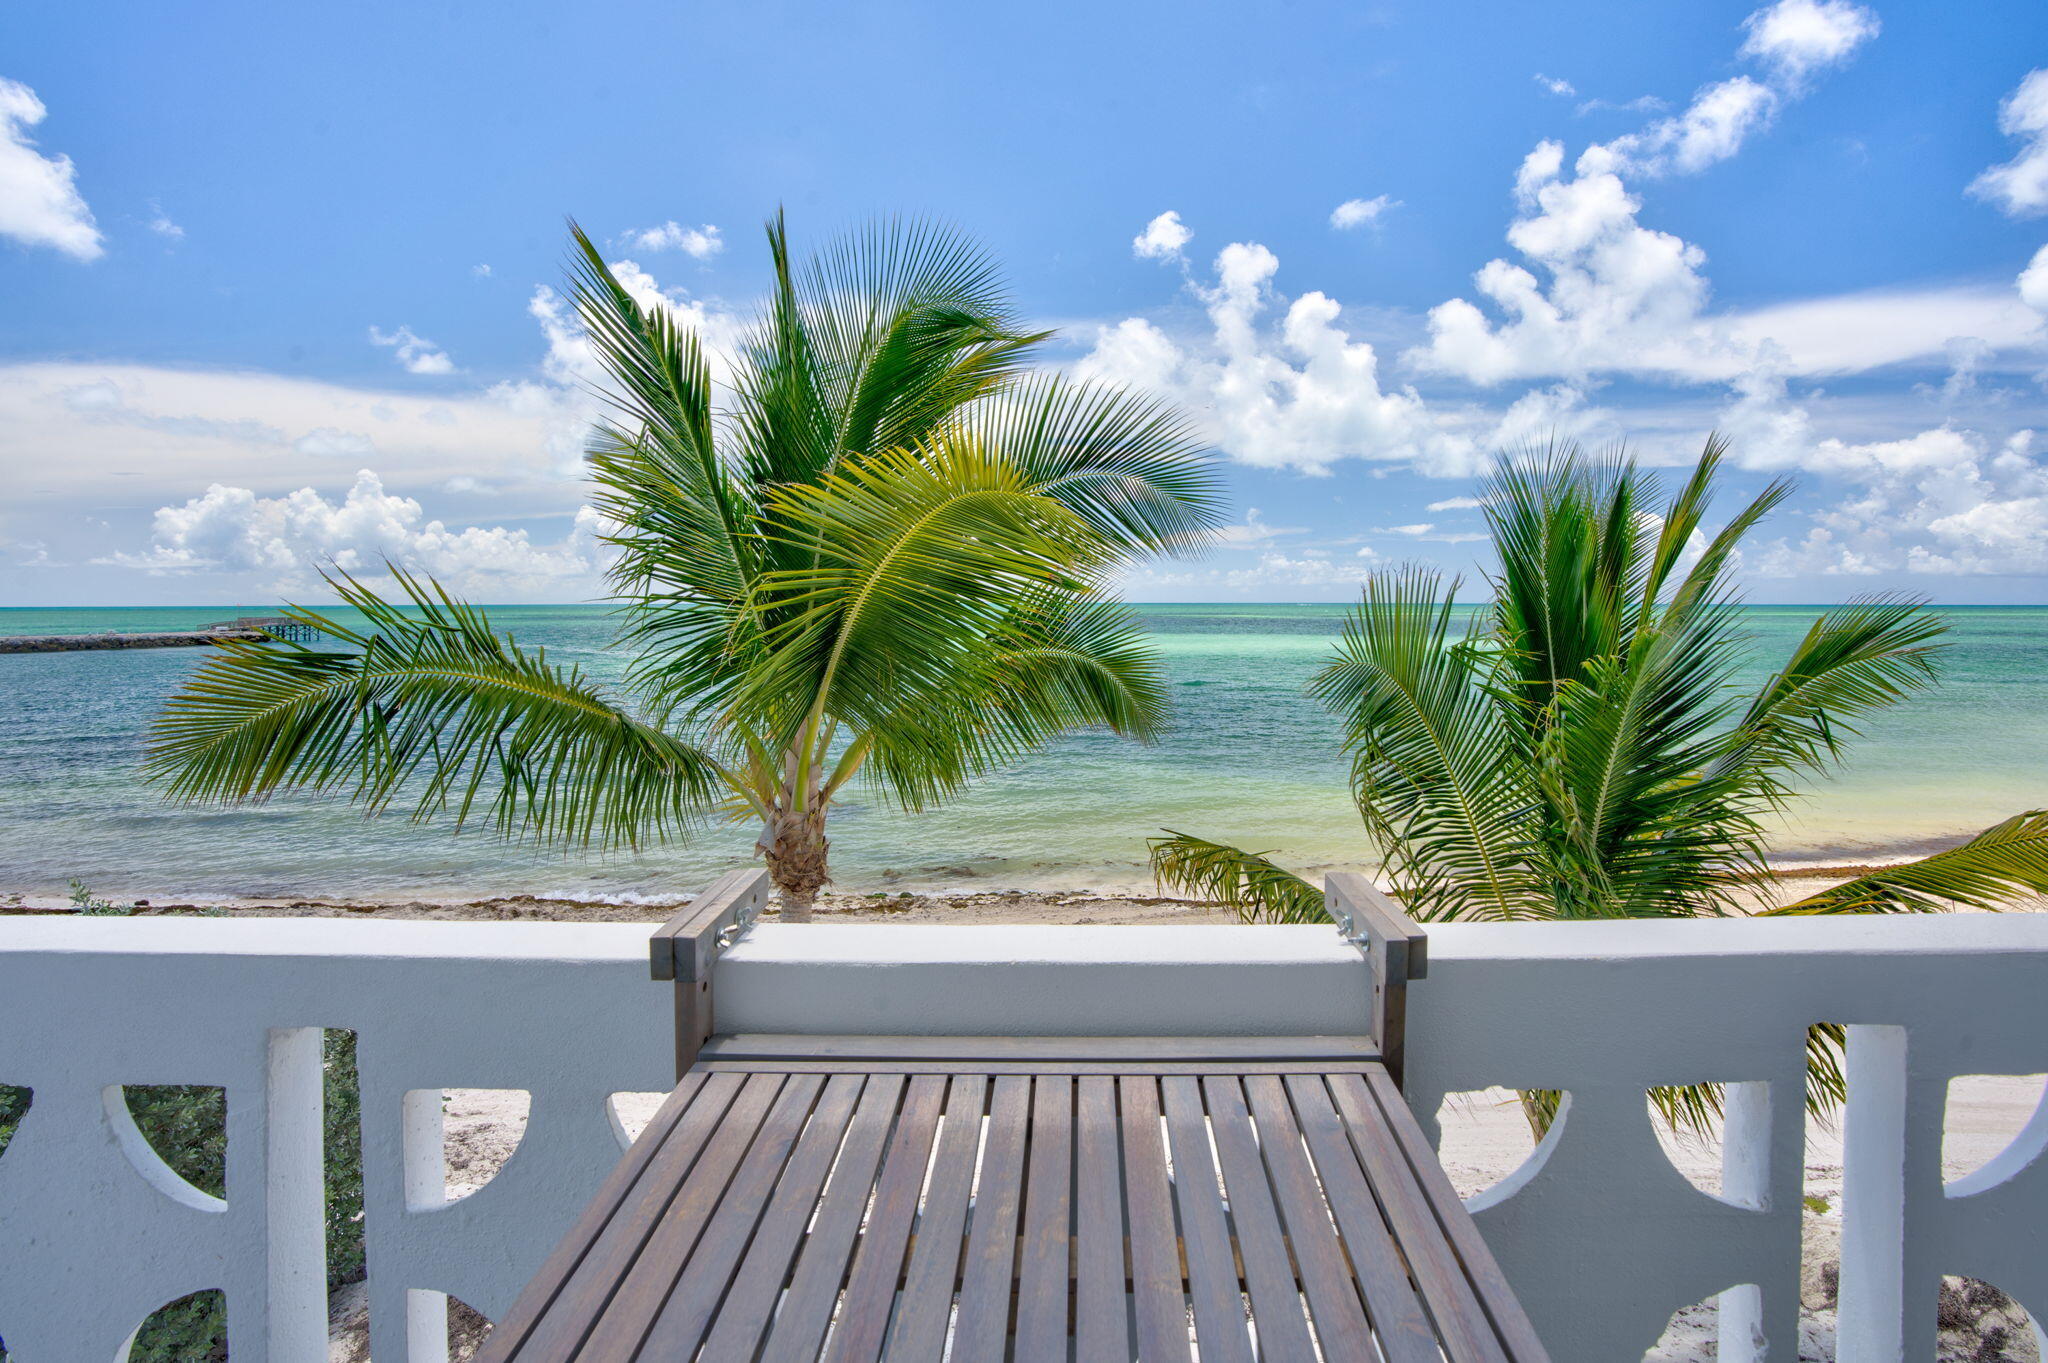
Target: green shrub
(13, 1103)
(344, 1156)
(83, 902)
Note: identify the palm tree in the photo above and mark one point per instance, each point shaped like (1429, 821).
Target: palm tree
(886, 556)
(1579, 747)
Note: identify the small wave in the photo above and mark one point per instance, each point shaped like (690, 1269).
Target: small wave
(622, 899)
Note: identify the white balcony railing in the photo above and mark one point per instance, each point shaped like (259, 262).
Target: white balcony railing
(1599, 1232)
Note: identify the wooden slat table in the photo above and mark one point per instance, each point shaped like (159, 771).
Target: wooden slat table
(915, 1198)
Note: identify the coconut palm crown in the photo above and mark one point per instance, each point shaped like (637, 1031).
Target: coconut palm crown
(884, 554)
(1582, 745)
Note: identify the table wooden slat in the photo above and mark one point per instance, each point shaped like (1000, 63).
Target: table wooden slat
(1461, 1322)
(1101, 1318)
(511, 1331)
(1262, 1247)
(557, 1335)
(799, 1328)
(878, 1264)
(680, 1327)
(1391, 1302)
(1505, 1311)
(986, 1274)
(1205, 1235)
(757, 1287)
(1159, 1306)
(1325, 1274)
(1048, 1206)
(927, 1305)
(974, 1051)
(646, 1285)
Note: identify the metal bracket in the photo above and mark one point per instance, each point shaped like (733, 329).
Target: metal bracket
(1347, 928)
(738, 927)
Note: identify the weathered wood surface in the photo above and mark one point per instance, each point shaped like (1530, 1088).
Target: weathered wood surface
(1397, 951)
(685, 948)
(806, 1210)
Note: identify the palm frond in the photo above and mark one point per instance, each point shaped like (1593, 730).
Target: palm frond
(912, 323)
(1057, 663)
(1568, 536)
(1855, 660)
(782, 423)
(681, 523)
(660, 380)
(2004, 861)
(1441, 798)
(1631, 826)
(1130, 466)
(428, 703)
(920, 556)
(1247, 883)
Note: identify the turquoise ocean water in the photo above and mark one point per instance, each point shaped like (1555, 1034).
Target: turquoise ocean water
(1249, 758)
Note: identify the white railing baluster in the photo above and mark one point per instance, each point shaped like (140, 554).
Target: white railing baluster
(294, 1196)
(1746, 1168)
(422, 1138)
(1873, 1288)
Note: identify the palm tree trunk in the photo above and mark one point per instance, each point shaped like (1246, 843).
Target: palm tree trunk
(794, 845)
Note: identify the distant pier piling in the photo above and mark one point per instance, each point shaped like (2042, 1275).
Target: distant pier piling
(249, 628)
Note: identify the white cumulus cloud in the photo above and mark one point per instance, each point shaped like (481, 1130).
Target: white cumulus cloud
(414, 353)
(1556, 85)
(2033, 282)
(285, 541)
(1274, 571)
(39, 200)
(1596, 290)
(701, 243)
(1254, 530)
(1712, 128)
(154, 436)
(1795, 38)
(1941, 502)
(1300, 394)
(2020, 186)
(1162, 239)
(1359, 212)
(1613, 293)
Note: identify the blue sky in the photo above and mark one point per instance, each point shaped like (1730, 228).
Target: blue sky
(275, 281)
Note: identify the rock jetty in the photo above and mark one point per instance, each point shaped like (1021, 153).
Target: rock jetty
(249, 628)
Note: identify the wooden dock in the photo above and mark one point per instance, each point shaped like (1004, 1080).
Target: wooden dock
(248, 628)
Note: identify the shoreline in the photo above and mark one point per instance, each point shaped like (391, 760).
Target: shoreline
(1046, 905)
